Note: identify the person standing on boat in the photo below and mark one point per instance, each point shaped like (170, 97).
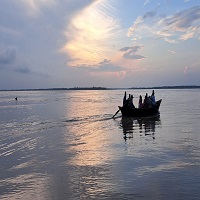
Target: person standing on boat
(124, 99)
(153, 99)
(131, 102)
(145, 103)
(140, 102)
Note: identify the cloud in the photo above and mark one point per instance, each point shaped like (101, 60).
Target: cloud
(9, 31)
(139, 22)
(35, 7)
(130, 53)
(105, 62)
(146, 2)
(37, 31)
(149, 14)
(184, 24)
(184, 19)
(91, 33)
(171, 51)
(52, 36)
(125, 48)
(10, 62)
(135, 26)
(173, 28)
(7, 54)
(23, 70)
(187, 70)
(110, 68)
(104, 66)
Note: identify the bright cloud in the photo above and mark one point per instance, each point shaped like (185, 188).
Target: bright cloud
(89, 35)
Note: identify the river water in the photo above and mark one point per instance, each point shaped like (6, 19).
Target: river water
(65, 145)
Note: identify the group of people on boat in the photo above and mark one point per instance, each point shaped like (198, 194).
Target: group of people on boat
(149, 101)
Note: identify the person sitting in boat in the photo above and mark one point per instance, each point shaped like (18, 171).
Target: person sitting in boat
(140, 102)
(153, 99)
(146, 101)
(149, 102)
(129, 102)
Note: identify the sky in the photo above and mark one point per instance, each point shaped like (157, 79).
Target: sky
(99, 43)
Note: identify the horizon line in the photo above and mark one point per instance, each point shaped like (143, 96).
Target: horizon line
(108, 88)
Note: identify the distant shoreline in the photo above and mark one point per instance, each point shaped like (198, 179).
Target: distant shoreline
(104, 88)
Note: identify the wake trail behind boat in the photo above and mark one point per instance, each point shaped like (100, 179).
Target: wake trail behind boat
(89, 119)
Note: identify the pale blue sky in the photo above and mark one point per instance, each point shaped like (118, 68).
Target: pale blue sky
(108, 43)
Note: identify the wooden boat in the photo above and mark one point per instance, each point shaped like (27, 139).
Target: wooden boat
(144, 112)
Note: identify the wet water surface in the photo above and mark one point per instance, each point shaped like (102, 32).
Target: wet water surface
(65, 145)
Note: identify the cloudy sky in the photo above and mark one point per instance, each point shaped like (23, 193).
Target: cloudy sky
(107, 43)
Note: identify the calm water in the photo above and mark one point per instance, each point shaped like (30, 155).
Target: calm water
(64, 145)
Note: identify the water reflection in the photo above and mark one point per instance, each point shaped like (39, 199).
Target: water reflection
(146, 126)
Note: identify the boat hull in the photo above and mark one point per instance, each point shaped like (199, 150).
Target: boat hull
(144, 112)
